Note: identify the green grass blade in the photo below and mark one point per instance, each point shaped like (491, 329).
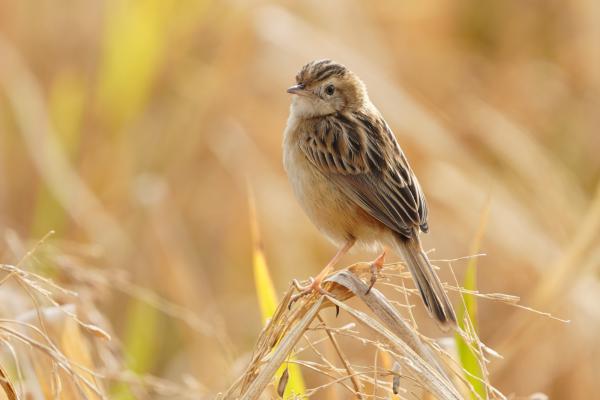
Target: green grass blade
(468, 358)
(140, 344)
(267, 299)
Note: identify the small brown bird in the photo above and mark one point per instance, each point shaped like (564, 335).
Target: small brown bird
(352, 178)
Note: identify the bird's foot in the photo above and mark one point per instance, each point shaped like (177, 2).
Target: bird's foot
(314, 285)
(375, 266)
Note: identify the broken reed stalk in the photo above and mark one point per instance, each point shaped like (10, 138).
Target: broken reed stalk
(264, 377)
(279, 337)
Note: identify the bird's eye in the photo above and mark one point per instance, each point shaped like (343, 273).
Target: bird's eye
(330, 90)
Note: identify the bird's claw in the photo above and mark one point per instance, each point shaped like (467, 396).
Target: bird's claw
(375, 267)
(304, 290)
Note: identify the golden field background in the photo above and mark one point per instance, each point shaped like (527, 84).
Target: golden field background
(131, 129)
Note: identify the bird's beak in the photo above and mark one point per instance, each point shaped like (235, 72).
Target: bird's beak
(296, 89)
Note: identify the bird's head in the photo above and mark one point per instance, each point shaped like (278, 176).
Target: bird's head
(325, 87)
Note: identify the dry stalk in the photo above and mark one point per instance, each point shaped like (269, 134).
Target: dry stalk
(281, 335)
(340, 353)
(264, 377)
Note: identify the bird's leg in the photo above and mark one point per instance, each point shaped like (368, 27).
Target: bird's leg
(375, 266)
(315, 283)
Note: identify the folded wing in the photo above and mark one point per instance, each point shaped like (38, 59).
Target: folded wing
(360, 154)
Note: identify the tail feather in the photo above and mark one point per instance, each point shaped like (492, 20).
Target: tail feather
(432, 292)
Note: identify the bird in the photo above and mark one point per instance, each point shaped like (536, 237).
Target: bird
(353, 180)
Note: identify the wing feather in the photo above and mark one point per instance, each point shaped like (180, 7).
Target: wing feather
(359, 153)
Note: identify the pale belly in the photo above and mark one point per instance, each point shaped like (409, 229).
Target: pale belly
(334, 214)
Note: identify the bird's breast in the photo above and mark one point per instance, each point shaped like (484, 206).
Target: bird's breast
(333, 213)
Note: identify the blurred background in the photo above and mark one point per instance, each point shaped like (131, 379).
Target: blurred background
(130, 128)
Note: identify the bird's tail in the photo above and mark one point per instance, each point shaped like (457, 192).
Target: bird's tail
(432, 292)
